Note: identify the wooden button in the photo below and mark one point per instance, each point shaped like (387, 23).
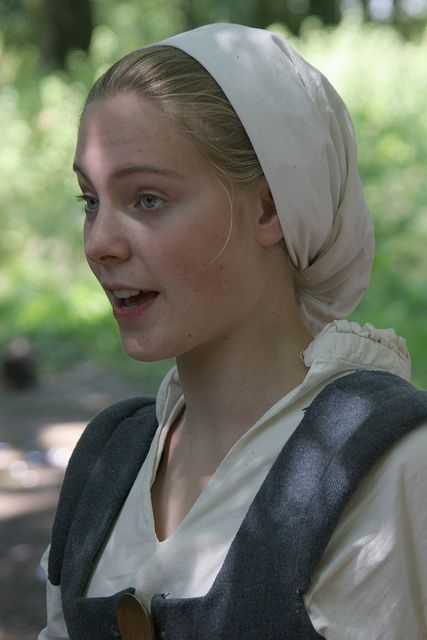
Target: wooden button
(134, 619)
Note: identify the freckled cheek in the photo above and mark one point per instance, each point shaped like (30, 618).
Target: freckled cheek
(212, 283)
(185, 257)
(191, 265)
(178, 262)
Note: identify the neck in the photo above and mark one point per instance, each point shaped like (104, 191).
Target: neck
(229, 385)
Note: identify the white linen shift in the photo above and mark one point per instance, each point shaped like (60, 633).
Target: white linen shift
(371, 583)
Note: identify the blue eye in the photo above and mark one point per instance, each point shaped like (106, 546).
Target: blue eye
(150, 201)
(91, 203)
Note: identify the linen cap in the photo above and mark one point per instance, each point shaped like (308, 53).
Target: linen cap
(304, 140)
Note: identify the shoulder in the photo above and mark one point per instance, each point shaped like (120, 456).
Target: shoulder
(393, 491)
(378, 383)
(400, 477)
(115, 413)
(410, 452)
(371, 581)
(101, 427)
(130, 422)
(374, 396)
(133, 416)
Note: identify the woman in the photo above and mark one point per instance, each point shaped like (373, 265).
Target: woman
(226, 222)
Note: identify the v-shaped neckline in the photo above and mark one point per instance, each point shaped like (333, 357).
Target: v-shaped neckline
(294, 396)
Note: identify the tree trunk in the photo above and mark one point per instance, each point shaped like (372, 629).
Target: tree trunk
(329, 12)
(64, 25)
(266, 12)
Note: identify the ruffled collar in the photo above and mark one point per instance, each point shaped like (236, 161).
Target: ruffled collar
(341, 347)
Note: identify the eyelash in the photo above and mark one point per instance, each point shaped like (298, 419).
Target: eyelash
(148, 194)
(87, 199)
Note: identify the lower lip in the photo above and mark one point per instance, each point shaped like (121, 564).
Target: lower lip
(125, 315)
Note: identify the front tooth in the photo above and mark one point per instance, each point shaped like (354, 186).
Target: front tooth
(126, 293)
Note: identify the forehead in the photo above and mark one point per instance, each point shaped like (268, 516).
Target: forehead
(129, 129)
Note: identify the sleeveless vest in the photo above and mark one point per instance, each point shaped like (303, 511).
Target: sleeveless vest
(258, 592)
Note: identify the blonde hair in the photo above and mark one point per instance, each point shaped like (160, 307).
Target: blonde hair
(188, 94)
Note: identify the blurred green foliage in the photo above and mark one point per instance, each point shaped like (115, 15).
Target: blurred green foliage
(46, 290)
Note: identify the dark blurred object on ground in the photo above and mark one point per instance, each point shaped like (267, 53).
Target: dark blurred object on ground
(18, 365)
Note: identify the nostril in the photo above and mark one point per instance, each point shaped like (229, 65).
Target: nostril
(103, 247)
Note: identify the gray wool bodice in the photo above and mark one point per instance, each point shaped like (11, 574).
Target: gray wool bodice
(258, 592)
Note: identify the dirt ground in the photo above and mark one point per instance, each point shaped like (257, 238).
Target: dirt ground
(38, 430)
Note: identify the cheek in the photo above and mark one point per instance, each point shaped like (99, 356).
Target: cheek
(193, 270)
(192, 252)
(86, 231)
(212, 283)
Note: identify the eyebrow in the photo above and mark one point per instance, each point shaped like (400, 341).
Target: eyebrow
(122, 172)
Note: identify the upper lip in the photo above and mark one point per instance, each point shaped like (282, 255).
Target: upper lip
(117, 286)
(112, 289)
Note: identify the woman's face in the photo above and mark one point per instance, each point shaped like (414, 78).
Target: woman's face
(159, 235)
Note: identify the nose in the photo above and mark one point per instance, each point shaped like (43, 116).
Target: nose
(105, 238)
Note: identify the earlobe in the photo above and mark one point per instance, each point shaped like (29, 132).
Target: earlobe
(269, 230)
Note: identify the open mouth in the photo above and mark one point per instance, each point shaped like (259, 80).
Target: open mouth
(130, 298)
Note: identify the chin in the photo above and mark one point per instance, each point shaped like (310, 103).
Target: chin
(143, 355)
(143, 350)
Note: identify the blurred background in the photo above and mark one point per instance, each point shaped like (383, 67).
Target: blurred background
(61, 359)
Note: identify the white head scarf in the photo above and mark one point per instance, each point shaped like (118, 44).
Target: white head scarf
(303, 137)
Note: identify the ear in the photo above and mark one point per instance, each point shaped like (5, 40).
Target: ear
(268, 229)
